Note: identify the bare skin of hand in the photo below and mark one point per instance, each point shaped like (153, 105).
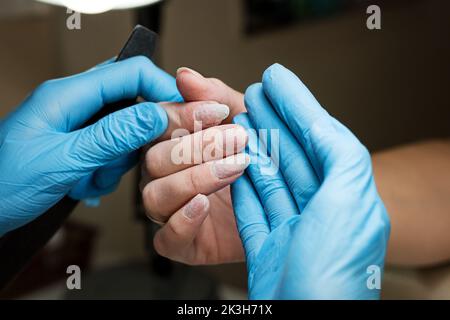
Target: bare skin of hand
(414, 183)
(193, 200)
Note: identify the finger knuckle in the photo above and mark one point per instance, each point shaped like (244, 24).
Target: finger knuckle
(150, 198)
(176, 230)
(101, 135)
(194, 178)
(153, 162)
(185, 117)
(357, 156)
(159, 245)
(142, 61)
(45, 88)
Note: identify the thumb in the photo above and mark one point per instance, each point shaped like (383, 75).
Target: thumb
(118, 134)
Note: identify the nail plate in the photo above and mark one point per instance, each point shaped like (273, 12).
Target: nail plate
(211, 113)
(230, 166)
(198, 205)
(189, 70)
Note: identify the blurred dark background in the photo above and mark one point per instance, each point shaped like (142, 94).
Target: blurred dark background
(390, 86)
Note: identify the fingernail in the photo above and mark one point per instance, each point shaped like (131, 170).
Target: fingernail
(193, 72)
(230, 166)
(196, 206)
(212, 113)
(235, 140)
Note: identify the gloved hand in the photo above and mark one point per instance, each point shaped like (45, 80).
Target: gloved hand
(316, 228)
(43, 153)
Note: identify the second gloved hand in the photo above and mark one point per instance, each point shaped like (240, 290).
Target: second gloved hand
(316, 228)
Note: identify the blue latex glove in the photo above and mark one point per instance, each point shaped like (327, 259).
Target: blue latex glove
(317, 228)
(43, 153)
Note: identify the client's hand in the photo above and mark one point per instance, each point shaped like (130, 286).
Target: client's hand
(186, 184)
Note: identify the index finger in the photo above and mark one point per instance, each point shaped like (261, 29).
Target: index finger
(327, 142)
(295, 104)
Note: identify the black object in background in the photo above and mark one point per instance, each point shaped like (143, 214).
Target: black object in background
(263, 15)
(20, 245)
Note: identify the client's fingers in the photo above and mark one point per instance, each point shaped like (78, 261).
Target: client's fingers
(162, 197)
(174, 155)
(174, 238)
(185, 118)
(194, 87)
